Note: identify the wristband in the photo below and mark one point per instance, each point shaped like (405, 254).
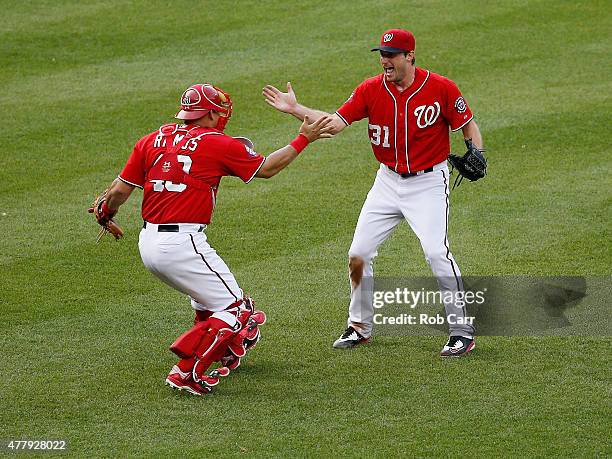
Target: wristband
(300, 142)
(106, 212)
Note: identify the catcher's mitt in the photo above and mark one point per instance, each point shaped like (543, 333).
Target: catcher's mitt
(104, 217)
(472, 165)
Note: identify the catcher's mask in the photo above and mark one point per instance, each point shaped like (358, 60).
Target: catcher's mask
(200, 99)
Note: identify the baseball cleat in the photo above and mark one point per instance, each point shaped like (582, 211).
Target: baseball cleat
(350, 338)
(457, 346)
(186, 383)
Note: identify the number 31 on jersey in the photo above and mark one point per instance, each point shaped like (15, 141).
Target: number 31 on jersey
(376, 134)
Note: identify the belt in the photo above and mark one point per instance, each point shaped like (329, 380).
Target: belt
(412, 174)
(176, 228)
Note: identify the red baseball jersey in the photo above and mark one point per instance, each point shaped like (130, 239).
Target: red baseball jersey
(180, 167)
(409, 130)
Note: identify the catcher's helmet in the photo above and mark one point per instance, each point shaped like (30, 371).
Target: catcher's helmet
(200, 99)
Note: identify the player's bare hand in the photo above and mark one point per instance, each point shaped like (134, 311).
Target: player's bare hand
(282, 101)
(320, 129)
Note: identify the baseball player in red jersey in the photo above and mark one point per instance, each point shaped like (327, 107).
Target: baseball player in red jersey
(410, 111)
(179, 167)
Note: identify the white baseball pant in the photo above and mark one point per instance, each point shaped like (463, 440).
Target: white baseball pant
(185, 261)
(423, 201)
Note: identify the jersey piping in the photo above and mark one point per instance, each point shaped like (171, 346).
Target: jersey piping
(342, 118)
(455, 130)
(406, 118)
(129, 183)
(260, 166)
(394, 123)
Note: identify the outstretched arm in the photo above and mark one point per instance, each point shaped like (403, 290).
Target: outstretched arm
(286, 102)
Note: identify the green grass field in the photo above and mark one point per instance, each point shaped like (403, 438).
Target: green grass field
(85, 328)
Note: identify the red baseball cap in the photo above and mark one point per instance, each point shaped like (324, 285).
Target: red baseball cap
(396, 41)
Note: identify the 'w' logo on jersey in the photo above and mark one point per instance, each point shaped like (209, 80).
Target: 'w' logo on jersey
(427, 114)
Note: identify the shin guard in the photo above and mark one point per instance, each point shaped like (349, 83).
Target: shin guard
(222, 327)
(185, 346)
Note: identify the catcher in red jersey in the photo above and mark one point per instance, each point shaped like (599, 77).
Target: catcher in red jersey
(179, 167)
(410, 111)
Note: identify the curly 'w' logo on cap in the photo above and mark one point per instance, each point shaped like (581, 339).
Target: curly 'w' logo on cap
(190, 97)
(387, 38)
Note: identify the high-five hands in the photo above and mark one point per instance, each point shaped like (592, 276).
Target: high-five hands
(320, 129)
(285, 102)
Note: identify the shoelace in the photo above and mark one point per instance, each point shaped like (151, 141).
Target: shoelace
(453, 341)
(348, 332)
